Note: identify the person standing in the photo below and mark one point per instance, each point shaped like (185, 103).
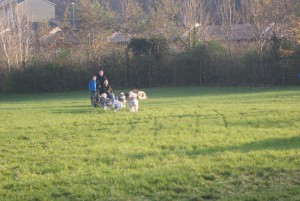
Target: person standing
(100, 80)
(93, 89)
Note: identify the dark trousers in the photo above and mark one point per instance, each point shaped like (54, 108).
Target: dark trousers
(94, 98)
(98, 91)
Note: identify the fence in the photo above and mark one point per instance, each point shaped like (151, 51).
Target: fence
(57, 81)
(155, 76)
(201, 66)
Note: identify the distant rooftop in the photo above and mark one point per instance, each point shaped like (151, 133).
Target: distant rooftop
(20, 1)
(118, 37)
(234, 32)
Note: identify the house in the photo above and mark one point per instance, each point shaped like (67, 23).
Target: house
(38, 10)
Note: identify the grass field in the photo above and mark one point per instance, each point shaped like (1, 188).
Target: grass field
(183, 144)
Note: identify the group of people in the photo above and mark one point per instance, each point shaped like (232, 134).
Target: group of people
(98, 85)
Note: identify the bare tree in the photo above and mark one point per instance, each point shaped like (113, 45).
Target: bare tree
(276, 18)
(132, 18)
(162, 19)
(228, 12)
(96, 23)
(16, 36)
(194, 18)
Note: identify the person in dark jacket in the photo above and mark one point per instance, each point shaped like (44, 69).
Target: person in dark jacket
(93, 90)
(106, 88)
(100, 80)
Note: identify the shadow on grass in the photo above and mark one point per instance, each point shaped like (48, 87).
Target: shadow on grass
(78, 110)
(211, 91)
(269, 144)
(264, 122)
(29, 97)
(152, 93)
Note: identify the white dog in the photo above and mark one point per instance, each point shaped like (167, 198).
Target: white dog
(122, 98)
(117, 105)
(105, 102)
(133, 102)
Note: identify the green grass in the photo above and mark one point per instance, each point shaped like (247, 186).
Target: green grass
(183, 144)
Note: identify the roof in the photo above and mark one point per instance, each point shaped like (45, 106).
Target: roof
(5, 2)
(269, 32)
(4, 31)
(118, 37)
(59, 38)
(52, 32)
(21, 1)
(236, 32)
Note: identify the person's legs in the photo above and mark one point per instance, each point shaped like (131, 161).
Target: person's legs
(96, 97)
(92, 99)
(98, 91)
(112, 97)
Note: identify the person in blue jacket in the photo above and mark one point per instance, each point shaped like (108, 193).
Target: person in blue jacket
(93, 90)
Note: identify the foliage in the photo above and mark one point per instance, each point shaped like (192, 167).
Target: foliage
(291, 65)
(170, 44)
(47, 77)
(155, 45)
(250, 64)
(204, 64)
(152, 64)
(149, 61)
(93, 15)
(158, 46)
(9, 81)
(139, 46)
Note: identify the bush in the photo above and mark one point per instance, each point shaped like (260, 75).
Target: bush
(9, 82)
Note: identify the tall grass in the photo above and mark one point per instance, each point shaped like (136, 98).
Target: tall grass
(183, 144)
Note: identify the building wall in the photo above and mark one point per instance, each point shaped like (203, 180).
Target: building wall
(38, 10)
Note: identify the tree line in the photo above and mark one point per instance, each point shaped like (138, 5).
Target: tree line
(161, 43)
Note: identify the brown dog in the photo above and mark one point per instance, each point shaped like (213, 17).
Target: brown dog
(141, 95)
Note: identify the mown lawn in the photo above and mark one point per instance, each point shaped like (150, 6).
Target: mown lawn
(183, 144)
